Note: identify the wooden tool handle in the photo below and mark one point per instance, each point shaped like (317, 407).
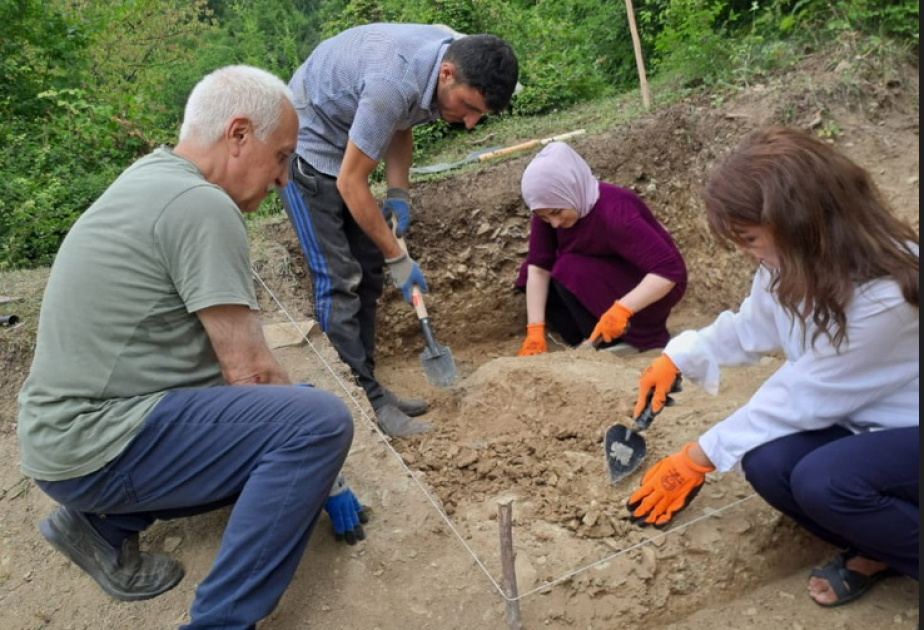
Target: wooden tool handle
(528, 145)
(562, 136)
(506, 150)
(418, 301)
(416, 294)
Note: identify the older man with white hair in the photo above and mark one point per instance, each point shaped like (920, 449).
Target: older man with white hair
(153, 395)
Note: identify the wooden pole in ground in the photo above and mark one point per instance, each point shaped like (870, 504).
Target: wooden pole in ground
(508, 556)
(640, 64)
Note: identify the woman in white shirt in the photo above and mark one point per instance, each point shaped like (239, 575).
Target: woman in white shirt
(830, 439)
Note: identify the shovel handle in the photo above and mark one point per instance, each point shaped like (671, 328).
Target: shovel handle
(416, 294)
(517, 147)
(418, 302)
(562, 136)
(529, 145)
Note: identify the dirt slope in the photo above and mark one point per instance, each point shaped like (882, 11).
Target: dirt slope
(525, 430)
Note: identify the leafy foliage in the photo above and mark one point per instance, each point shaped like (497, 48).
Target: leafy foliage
(41, 193)
(87, 87)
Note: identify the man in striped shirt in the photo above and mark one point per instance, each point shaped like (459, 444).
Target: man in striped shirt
(358, 96)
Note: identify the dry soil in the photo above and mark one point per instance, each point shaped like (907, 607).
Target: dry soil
(525, 431)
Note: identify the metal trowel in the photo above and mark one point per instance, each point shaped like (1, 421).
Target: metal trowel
(625, 449)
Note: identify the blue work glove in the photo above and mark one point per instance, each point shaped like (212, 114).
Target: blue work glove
(405, 274)
(398, 205)
(346, 512)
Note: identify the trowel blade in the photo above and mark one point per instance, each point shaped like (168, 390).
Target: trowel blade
(625, 451)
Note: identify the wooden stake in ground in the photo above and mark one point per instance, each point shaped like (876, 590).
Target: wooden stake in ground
(508, 556)
(637, 44)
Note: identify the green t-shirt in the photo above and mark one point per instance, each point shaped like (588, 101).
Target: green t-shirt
(118, 328)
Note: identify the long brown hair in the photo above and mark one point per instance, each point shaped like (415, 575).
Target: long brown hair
(831, 226)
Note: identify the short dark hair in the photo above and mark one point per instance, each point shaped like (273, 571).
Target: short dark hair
(488, 64)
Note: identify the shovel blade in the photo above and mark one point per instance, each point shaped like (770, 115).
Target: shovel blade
(625, 451)
(435, 168)
(438, 365)
(448, 166)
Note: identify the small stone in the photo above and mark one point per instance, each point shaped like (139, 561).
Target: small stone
(590, 519)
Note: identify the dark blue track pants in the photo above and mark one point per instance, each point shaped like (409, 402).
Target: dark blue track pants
(347, 270)
(272, 451)
(853, 491)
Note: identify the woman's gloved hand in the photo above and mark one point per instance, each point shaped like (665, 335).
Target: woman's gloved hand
(655, 383)
(612, 324)
(346, 513)
(535, 340)
(667, 488)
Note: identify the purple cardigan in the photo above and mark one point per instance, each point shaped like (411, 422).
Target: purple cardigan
(606, 254)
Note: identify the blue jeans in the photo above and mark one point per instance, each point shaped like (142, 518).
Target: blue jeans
(852, 491)
(272, 451)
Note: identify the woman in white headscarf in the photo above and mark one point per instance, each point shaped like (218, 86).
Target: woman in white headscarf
(597, 258)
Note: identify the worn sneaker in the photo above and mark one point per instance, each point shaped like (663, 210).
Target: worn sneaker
(125, 574)
(396, 423)
(410, 406)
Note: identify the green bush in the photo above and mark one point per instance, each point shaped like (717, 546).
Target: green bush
(86, 87)
(50, 175)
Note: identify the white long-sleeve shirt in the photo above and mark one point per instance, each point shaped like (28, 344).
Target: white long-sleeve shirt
(872, 383)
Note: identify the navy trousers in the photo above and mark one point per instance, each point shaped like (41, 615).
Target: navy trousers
(347, 270)
(272, 451)
(853, 491)
(567, 315)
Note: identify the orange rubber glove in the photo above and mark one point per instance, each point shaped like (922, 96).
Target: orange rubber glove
(612, 324)
(535, 340)
(657, 381)
(667, 488)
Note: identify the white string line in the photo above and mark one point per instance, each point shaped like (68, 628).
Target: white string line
(647, 541)
(439, 510)
(383, 437)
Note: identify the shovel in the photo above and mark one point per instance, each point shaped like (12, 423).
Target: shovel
(436, 360)
(624, 448)
(483, 155)
(448, 166)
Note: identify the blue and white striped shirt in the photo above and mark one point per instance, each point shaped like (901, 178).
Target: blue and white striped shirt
(364, 84)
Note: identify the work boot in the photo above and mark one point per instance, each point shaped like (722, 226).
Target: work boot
(410, 406)
(126, 573)
(396, 423)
